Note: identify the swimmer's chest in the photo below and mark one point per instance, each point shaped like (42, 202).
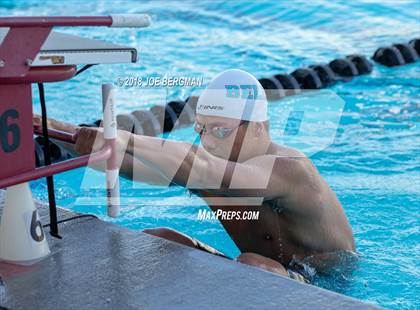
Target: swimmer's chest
(269, 235)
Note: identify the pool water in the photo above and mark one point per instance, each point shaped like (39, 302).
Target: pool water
(372, 162)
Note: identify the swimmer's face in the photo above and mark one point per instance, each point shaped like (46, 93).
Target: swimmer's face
(218, 134)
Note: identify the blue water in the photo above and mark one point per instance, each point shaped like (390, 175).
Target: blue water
(372, 164)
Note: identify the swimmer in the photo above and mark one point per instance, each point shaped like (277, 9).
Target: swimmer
(237, 167)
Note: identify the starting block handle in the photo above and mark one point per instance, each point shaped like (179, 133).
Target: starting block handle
(110, 136)
(130, 20)
(114, 20)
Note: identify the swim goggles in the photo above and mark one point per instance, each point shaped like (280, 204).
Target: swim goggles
(216, 131)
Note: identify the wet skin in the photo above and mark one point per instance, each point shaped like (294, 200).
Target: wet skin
(311, 222)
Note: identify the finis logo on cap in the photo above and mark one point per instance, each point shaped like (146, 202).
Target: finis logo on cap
(211, 107)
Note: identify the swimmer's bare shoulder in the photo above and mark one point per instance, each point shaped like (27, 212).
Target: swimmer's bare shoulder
(292, 173)
(311, 199)
(306, 190)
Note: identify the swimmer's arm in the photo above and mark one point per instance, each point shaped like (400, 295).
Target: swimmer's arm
(187, 165)
(91, 139)
(261, 176)
(170, 159)
(133, 169)
(62, 126)
(192, 167)
(130, 168)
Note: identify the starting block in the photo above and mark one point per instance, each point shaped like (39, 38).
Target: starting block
(30, 52)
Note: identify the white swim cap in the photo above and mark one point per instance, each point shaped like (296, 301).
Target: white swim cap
(234, 94)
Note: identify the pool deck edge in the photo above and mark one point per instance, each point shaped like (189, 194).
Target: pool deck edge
(100, 265)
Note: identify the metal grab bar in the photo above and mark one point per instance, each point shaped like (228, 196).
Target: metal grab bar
(57, 134)
(52, 169)
(114, 20)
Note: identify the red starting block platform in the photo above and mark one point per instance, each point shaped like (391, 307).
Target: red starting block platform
(30, 52)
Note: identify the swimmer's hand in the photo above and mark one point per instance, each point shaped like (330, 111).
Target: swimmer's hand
(89, 139)
(37, 121)
(54, 124)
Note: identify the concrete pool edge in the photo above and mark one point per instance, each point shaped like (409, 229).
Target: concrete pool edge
(102, 265)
